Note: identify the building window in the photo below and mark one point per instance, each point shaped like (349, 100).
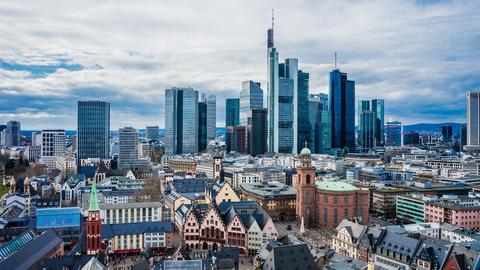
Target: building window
(345, 199)
(335, 215)
(308, 179)
(325, 216)
(346, 212)
(335, 200)
(361, 199)
(325, 199)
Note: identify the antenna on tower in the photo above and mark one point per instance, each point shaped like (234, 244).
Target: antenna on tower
(335, 59)
(273, 18)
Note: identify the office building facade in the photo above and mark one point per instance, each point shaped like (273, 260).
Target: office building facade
(181, 121)
(53, 145)
(202, 126)
(473, 120)
(304, 128)
(342, 108)
(394, 133)
(378, 108)
(257, 135)
(152, 133)
(367, 130)
(211, 102)
(127, 148)
(251, 97)
(93, 130)
(232, 112)
(447, 133)
(11, 134)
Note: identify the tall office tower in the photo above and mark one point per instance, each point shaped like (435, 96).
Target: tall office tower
(127, 148)
(463, 136)
(304, 128)
(210, 100)
(251, 97)
(367, 130)
(257, 132)
(36, 138)
(378, 108)
(320, 122)
(152, 133)
(53, 145)
(93, 130)
(446, 133)
(237, 140)
(272, 92)
(394, 133)
(2, 134)
(181, 121)
(363, 105)
(12, 133)
(342, 108)
(232, 112)
(473, 120)
(202, 126)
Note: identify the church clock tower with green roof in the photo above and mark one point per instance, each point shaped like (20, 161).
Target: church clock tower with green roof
(94, 224)
(305, 184)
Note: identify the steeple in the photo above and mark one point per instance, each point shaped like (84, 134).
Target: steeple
(93, 201)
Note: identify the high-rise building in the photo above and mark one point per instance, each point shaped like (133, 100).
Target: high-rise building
(36, 138)
(394, 133)
(202, 126)
(93, 130)
(12, 133)
(473, 120)
(367, 130)
(378, 108)
(181, 121)
(320, 122)
(257, 135)
(53, 145)
(127, 148)
(304, 128)
(272, 92)
(342, 108)
(411, 138)
(2, 134)
(463, 136)
(237, 139)
(363, 106)
(152, 133)
(232, 112)
(446, 133)
(251, 97)
(211, 102)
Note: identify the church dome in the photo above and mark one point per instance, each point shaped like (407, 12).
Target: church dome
(305, 151)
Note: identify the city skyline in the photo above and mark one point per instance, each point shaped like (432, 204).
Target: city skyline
(49, 66)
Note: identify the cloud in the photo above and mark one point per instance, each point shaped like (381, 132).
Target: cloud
(420, 56)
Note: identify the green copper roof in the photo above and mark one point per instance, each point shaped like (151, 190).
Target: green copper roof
(93, 201)
(335, 186)
(306, 151)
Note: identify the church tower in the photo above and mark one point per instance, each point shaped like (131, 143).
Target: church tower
(305, 185)
(94, 224)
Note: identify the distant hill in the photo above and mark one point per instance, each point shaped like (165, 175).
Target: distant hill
(427, 127)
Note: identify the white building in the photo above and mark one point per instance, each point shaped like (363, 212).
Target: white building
(128, 147)
(53, 145)
(67, 164)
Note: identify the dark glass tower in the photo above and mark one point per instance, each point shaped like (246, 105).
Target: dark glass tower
(303, 121)
(258, 132)
(232, 113)
(202, 126)
(342, 107)
(93, 130)
(378, 108)
(447, 133)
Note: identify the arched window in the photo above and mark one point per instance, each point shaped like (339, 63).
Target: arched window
(308, 179)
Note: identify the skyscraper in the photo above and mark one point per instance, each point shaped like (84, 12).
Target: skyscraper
(394, 133)
(342, 108)
(181, 121)
(93, 130)
(211, 102)
(257, 133)
(237, 140)
(251, 97)
(320, 122)
(446, 133)
(378, 108)
(473, 120)
(273, 92)
(152, 133)
(12, 133)
(463, 136)
(127, 148)
(304, 127)
(202, 126)
(232, 112)
(367, 130)
(53, 145)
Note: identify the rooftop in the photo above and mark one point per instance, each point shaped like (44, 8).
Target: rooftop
(335, 186)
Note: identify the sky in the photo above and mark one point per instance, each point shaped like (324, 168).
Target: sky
(420, 56)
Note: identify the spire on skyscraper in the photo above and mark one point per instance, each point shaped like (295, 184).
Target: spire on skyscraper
(270, 32)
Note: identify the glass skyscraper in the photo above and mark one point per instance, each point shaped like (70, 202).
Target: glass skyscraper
(378, 108)
(127, 148)
(202, 126)
(272, 93)
(258, 132)
(342, 108)
(12, 133)
(320, 122)
(152, 133)
(251, 97)
(211, 102)
(303, 122)
(232, 112)
(181, 120)
(93, 130)
(367, 130)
